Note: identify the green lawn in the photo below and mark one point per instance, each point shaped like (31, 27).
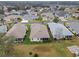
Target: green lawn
(26, 38)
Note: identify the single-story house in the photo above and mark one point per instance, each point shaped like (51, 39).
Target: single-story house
(74, 26)
(47, 16)
(62, 14)
(59, 31)
(39, 32)
(75, 15)
(11, 18)
(62, 19)
(19, 12)
(74, 50)
(18, 31)
(29, 17)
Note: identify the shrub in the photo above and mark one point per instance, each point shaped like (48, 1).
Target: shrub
(35, 55)
(30, 53)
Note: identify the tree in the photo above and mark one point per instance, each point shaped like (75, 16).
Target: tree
(57, 6)
(19, 19)
(39, 18)
(73, 16)
(7, 46)
(9, 9)
(2, 20)
(62, 8)
(78, 18)
(1, 12)
(56, 20)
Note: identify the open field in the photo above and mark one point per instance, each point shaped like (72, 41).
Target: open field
(53, 49)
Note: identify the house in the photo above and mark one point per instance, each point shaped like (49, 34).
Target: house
(72, 9)
(11, 18)
(75, 15)
(19, 12)
(29, 17)
(74, 26)
(3, 28)
(5, 9)
(47, 16)
(33, 13)
(68, 10)
(74, 50)
(62, 14)
(63, 19)
(39, 32)
(59, 31)
(18, 31)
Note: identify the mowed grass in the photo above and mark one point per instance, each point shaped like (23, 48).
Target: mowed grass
(53, 49)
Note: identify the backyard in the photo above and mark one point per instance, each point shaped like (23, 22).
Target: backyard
(54, 48)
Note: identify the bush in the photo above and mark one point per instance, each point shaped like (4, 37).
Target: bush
(19, 19)
(56, 20)
(30, 53)
(35, 55)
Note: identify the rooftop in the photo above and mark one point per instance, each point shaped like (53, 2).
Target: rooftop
(18, 31)
(74, 25)
(59, 29)
(39, 31)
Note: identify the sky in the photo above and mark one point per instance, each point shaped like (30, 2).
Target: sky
(39, 0)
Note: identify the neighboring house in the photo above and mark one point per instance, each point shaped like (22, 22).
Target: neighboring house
(18, 31)
(11, 18)
(62, 19)
(62, 14)
(3, 29)
(19, 12)
(67, 10)
(29, 17)
(34, 13)
(74, 50)
(74, 26)
(5, 9)
(73, 9)
(75, 15)
(39, 32)
(47, 16)
(59, 31)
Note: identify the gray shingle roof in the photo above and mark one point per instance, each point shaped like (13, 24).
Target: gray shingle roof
(18, 31)
(39, 31)
(74, 26)
(59, 30)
